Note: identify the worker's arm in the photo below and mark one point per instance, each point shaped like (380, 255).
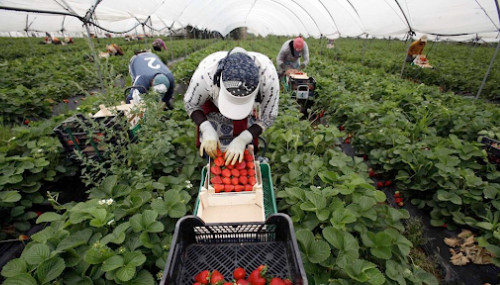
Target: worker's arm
(305, 56)
(269, 90)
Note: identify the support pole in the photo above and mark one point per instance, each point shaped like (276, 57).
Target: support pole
(406, 53)
(171, 44)
(488, 71)
(94, 54)
(145, 36)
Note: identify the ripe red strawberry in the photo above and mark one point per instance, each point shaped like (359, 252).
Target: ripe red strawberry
(230, 167)
(202, 277)
(398, 200)
(228, 283)
(248, 158)
(228, 188)
(226, 173)
(26, 122)
(239, 188)
(257, 276)
(243, 180)
(239, 273)
(219, 161)
(243, 172)
(347, 141)
(397, 194)
(444, 226)
(216, 170)
(216, 277)
(250, 165)
(218, 188)
(219, 153)
(248, 187)
(235, 172)
(380, 184)
(242, 282)
(241, 165)
(251, 180)
(388, 183)
(287, 282)
(235, 181)
(276, 281)
(197, 283)
(341, 128)
(251, 172)
(226, 180)
(371, 173)
(216, 180)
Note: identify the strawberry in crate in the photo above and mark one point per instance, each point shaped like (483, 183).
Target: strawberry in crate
(233, 178)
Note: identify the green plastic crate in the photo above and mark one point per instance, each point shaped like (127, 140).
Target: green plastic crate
(267, 187)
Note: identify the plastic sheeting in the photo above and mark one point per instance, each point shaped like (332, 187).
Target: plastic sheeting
(450, 19)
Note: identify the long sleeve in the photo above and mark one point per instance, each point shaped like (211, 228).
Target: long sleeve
(201, 87)
(305, 55)
(269, 90)
(282, 55)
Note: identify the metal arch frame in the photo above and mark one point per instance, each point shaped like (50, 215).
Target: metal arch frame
(290, 10)
(492, 61)
(331, 17)
(312, 18)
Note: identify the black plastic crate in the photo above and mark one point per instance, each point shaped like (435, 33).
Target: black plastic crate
(197, 246)
(492, 148)
(86, 134)
(302, 88)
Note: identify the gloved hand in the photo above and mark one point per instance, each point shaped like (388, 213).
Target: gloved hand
(302, 66)
(237, 147)
(209, 139)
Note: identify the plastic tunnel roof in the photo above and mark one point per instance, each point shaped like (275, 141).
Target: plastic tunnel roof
(448, 19)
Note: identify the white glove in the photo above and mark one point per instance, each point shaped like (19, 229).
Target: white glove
(136, 97)
(237, 147)
(209, 139)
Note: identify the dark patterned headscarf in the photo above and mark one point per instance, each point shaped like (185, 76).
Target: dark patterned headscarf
(239, 86)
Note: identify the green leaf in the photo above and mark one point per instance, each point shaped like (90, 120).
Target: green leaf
(112, 263)
(425, 277)
(22, 279)
(125, 273)
(96, 255)
(36, 254)
(44, 235)
(50, 269)
(144, 277)
(379, 196)
(318, 251)
(118, 234)
(317, 200)
(375, 277)
(328, 176)
(75, 239)
(48, 217)
(14, 267)
(108, 183)
(10, 196)
(393, 270)
(135, 258)
(366, 203)
(485, 225)
(304, 237)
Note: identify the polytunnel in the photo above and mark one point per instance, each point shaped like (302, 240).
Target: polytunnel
(448, 19)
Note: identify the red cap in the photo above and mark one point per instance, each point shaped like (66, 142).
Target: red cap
(298, 44)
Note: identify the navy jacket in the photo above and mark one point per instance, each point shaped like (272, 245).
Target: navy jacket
(143, 68)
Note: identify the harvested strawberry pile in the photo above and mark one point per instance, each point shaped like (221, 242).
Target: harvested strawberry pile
(258, 276)
(233, 178)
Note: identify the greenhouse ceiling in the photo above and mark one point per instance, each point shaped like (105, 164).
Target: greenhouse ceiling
(448, 19)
